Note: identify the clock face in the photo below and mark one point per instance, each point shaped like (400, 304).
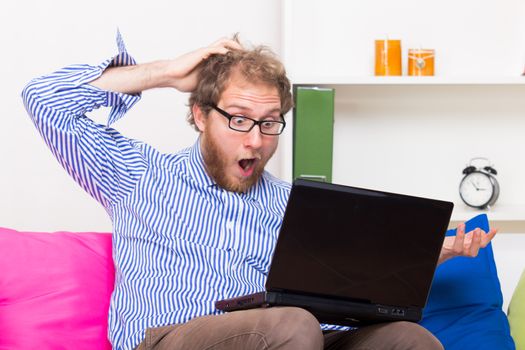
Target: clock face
(476, 189)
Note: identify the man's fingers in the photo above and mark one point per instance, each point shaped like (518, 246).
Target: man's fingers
(487, 237)
(469, 244)
(221, 47)
(227, 43)
(459, 240)
(475, 243)
(214, 51)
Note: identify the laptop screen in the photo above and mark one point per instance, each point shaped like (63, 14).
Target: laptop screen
(358, 244)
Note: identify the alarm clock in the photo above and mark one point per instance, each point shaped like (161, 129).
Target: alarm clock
(479, 188)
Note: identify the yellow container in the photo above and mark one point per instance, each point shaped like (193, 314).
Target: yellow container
(388, 57)
(421, 62)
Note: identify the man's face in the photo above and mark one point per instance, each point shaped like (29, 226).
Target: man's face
(236, 160)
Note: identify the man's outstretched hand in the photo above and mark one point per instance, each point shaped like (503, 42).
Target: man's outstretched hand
(467, 244)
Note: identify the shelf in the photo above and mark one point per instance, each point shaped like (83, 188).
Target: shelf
(508, 219)
(407, 80)
(500, 212)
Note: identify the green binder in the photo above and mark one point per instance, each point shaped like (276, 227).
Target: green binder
(313, 133)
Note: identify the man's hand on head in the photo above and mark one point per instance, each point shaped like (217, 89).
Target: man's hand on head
(180, 73)
(467, 245)
(184, 70)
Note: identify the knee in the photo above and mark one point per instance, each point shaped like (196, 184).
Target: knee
(413, 336)
(295, 328)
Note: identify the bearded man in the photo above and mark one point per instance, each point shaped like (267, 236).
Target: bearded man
(200, 225)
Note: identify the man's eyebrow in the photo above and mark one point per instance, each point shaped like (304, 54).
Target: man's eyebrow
(244, 108)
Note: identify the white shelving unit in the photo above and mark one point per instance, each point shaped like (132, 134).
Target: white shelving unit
(407, 80)
(415, 135)
(501, 212)
(392, 133)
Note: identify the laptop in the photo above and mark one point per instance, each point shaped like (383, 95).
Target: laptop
(353, 256)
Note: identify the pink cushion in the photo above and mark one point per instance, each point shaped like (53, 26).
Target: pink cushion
(54, 290)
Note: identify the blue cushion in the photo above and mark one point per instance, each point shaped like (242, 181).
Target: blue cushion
(464, 308)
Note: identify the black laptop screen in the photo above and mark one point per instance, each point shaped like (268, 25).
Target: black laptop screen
(358, 244)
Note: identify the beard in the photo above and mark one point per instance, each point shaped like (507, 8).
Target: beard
(215, 161)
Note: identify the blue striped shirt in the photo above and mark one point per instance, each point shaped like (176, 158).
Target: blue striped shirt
(180, 242)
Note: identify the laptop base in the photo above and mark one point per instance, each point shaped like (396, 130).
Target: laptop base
(326, 310)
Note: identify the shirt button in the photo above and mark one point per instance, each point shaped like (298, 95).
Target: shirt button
(229, 225)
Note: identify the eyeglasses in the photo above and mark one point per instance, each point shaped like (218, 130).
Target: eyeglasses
(245, 124)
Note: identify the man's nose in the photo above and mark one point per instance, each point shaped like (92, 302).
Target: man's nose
(253, 138)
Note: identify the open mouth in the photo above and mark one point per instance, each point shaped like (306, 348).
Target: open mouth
(247, 166)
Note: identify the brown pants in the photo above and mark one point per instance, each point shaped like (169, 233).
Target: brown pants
(282, 328)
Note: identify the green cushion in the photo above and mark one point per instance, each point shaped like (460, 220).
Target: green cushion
(516, 314)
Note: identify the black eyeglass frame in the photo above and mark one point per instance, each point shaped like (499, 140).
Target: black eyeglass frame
(254, 122)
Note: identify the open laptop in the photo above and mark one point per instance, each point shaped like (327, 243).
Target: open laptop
(353, 256)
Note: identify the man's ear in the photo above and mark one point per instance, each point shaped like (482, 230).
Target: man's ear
(199, 117)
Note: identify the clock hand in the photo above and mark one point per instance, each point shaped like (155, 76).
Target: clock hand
(473, 184)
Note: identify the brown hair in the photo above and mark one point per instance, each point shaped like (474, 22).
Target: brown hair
(258, 65)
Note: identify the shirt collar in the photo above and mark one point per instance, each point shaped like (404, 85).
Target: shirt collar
(197, 171)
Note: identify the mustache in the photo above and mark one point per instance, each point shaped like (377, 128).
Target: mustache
(250, 156)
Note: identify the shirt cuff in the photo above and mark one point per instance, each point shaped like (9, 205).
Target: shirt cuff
(119, 102)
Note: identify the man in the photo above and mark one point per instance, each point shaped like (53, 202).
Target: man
(200, 225)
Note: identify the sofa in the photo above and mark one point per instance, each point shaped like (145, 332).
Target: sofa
(55, 290)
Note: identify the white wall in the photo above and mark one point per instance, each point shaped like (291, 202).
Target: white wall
(37, 37)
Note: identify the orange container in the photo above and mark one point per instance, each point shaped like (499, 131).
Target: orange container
(388, 57)
(421, 62)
